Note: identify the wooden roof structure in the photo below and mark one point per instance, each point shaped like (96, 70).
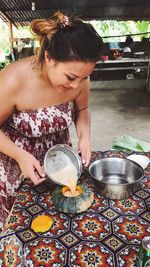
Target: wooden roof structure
(22, 12)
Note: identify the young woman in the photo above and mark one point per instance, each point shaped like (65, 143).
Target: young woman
(41, 96)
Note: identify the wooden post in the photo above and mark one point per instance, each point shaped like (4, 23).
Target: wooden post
(11, 40)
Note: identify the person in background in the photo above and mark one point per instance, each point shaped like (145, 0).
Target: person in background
(128, 44)
(41, 96)
(145, 45)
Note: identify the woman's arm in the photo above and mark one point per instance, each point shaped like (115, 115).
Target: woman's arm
(82, 122)
(8, 95)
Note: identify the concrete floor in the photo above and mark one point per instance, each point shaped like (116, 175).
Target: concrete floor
(116, 112)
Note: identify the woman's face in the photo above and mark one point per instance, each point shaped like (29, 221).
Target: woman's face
(65, 76)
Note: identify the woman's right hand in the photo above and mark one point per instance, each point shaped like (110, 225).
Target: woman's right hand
(30, 167)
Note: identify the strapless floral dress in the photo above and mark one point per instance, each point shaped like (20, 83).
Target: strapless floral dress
(35, 131)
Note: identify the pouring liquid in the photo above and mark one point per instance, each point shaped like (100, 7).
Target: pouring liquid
(67, 176)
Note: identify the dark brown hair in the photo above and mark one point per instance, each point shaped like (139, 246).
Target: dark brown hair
(67, 38)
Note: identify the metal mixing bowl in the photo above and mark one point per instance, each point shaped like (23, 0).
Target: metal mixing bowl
(116, 178)
(54, 160)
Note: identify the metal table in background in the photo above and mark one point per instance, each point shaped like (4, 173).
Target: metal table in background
(109, 233)
(123, 65)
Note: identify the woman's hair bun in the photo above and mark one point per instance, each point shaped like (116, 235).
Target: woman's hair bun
(48, 27)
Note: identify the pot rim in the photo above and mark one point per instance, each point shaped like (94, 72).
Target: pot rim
(114, 184)
(61, 147)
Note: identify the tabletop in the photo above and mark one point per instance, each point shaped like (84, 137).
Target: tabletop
(109, 233)
(124, 60)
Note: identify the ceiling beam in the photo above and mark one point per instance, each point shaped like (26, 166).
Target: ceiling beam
(8, 19)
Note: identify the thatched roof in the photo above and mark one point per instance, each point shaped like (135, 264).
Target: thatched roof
(20, 12)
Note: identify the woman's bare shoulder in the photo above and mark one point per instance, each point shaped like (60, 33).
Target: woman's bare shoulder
(82, 99)
(17, 67)
(15, 74)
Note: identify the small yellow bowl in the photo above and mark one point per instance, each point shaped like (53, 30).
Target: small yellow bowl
(42, 223)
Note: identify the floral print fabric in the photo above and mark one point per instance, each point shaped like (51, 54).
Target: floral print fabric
(35, 131)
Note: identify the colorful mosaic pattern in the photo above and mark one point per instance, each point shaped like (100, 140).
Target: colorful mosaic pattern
(109, 233)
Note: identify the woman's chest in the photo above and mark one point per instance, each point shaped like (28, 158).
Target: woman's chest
(39, 95)
(38, 122)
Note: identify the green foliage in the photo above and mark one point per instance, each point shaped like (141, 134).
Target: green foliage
(114, 28)
(4, 36)
(143, 26)
(2, 65)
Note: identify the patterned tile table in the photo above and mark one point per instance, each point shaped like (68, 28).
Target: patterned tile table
(109, 233)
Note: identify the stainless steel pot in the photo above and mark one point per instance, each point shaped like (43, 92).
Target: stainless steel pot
(116, 178)
(56, 158)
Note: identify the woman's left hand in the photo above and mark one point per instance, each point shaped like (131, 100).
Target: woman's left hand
(84, 149)
(82, 122)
